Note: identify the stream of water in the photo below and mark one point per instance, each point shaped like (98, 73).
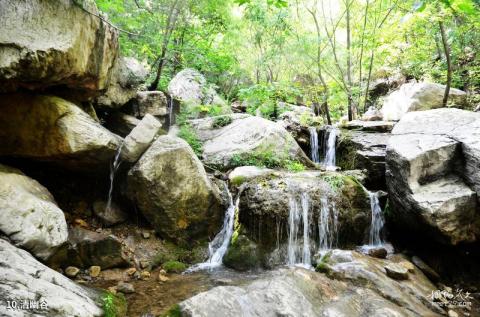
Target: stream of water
(377, 222)
(298, 250)
(314, 145)
(219, 245)
(330, 144)
(113, 169)
(327, 225)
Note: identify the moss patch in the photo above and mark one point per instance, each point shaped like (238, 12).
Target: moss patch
(174, 266)
(242, 255)
(114, 305)
(174, 311)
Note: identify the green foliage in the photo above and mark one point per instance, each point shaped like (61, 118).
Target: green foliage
(238, 180)
(336, 181)
(174, 311)
(221, 121)
(190, 136)
(114, 305)
(323, 266)
(268, 159)
(174, 266)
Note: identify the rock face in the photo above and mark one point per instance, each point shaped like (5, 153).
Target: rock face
(29, 215)
(140, 138)
(53, 43)
(298, 121)
(52, 129)
(361, 288)
(191, 87)
(87, 248)
(121, 123)
(418, 96)
(267, 200)
(151, 102)
(172, 190)
(243, 137)
(24, 278)
(372, 114)
(433, 174)
(364, 151)
(127, 76)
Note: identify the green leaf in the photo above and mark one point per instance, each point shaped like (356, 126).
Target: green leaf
(419, 6)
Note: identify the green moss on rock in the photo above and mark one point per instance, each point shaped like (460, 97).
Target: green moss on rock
(242, 255)
(174, 267)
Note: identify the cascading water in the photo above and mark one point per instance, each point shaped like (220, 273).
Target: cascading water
(330, 144)
(219, 245)
(299, 217)
(113, 169)
(327, 225)
(314, 145)
(170, 112)
(377, 223)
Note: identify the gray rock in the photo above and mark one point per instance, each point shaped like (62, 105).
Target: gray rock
(369, 126)
(140, 138)
(25, 279)
(378, 252)
(127, 76)
(396, 271)
(300, 292)
(109, 216)
(52, 43)
(72, 271)
(297, 121)
(372, 114)
(191, 87)
(121, 123)
(418, 96)
(364, 151)
(245, 136)
(88, 248)
(52, 129)
(171, 188)
(426, 269)
(29, 215)
(125, 288)
(151, 102)
(432, 174)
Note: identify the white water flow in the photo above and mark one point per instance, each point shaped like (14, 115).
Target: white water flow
(170, 111)
(219, 245)
(314, 145)
(377, 222)
(330, 143)
(298, 251)
(327, 225)
(113, 169)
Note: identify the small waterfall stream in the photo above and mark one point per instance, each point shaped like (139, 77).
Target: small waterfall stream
(219, 245)
(314, 145)
(298, 250)
(113, 169)
(327, 225)
(377, 222)
(330, 144)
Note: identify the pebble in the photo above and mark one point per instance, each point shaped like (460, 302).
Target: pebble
(131, 271)
(112, 289)
(396, 271)
(162, 278)
(81, 223)
(380, 253)
(144, 264)
(125, 288)
(146, 235)
(452, 313)
(163, 272)
(94, 270)
(72, 271)
(145, 275)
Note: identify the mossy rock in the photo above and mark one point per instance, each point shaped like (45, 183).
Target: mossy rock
(174, 311)
(174, 267)
(242, 255)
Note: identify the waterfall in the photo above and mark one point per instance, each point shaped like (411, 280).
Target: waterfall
(113, 169)
(377, 222)
(314, 144)
(170, 112)
(327, 225)
(330, 143)
(219, 245)
(299, 217)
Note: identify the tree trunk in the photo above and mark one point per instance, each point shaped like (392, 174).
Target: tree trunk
(446, 48)
(349, 65)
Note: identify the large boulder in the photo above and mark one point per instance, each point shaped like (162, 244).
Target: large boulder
(47, 43)
(29, 215)
(271, 199)
(360, 288)
(418, 96)
(86, 248)
(128, 74)
(171, 188)
(49, 128)
(245, 136)
(140, 138)
(433, 174)
(154, 103)
(191, 87)
(364, 151)
(24, 279)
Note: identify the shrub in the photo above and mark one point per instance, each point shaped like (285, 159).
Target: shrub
(114, 305)
(221, 121)
(267, 159)
(174, 311)
(174, 267)
(295, 166)
(190, 136)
